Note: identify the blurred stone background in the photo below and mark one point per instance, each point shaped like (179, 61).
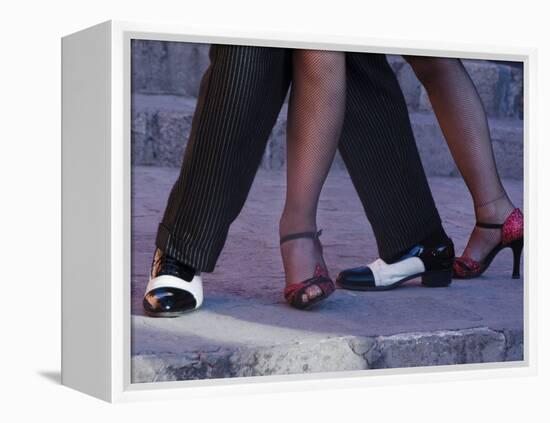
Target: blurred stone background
(165, 82)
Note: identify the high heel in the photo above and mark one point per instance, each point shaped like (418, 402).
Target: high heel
(512, 237)
(294, 293)
(517, 247)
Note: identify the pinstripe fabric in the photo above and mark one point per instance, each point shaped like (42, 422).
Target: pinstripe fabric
(239, 100)
(240, 97)
(378, 148)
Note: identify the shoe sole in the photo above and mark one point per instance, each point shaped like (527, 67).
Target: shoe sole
(312, 304)
(168, 313)
(431, 279)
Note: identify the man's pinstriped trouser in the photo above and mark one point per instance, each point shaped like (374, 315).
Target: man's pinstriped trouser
(239, 100)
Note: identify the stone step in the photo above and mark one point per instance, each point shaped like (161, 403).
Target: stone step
(500, 86)
(174, 68)
(303, 353)
(161, 126)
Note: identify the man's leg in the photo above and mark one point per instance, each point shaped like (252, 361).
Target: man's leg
(240, 97)
(380, 152)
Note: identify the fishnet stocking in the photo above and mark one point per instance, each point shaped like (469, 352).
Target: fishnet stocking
(315, 115)
(462, 119)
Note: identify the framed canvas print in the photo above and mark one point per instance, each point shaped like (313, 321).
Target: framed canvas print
(256, 212)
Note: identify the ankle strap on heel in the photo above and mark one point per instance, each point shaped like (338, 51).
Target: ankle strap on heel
(514, 217)
(310, 235)
(489, 225)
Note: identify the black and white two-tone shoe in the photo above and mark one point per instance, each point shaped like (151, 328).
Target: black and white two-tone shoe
(433, 264)
(173, 289)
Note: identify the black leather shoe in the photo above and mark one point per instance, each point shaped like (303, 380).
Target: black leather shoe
(433, 264)
(173, 289)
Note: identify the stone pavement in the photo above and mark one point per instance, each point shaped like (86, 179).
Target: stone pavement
(246, 329)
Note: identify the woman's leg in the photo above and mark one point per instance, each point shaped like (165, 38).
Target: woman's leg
(315, 115)
(462, 119)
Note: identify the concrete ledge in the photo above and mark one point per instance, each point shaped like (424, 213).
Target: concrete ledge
(476, 345)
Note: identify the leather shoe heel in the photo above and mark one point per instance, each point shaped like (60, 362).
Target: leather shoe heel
(437, 278)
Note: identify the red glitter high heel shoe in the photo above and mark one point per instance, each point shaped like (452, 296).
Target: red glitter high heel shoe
(512, 237)
(294, 294)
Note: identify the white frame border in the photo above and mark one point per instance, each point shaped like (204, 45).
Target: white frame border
(120, 162)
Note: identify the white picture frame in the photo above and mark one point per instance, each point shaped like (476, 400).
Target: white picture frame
(96, 227)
